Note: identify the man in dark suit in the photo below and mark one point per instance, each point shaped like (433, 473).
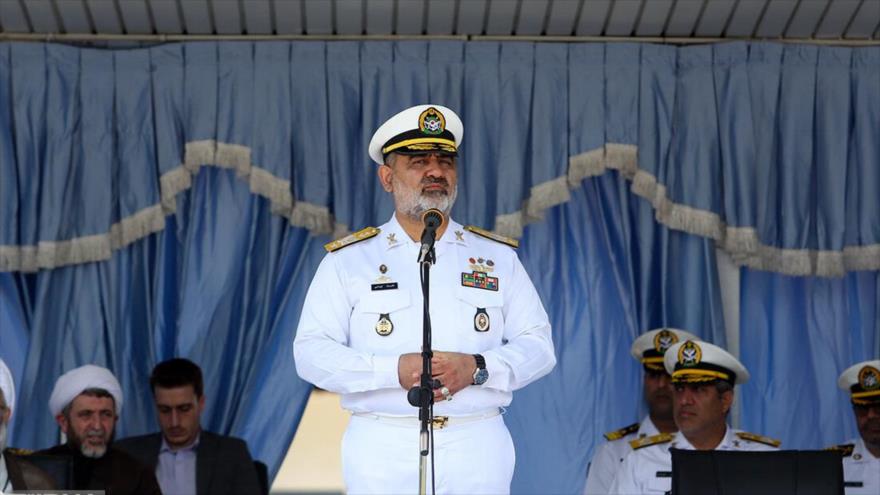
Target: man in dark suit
(187, 459)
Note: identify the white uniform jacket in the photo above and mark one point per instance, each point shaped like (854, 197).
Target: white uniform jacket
(608, 456)
(481, 301)
(639, 472)
(861, 470)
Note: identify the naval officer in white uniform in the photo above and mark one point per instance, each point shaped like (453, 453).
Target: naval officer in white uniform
(360, 332)
(648, 349)
(861, 456)
(703, 377)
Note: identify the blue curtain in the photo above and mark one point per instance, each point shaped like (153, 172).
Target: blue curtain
(173, 200)
(798, 335)
(589, 261)
(222, 285)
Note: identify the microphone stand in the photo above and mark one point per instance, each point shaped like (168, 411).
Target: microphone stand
(423, 395)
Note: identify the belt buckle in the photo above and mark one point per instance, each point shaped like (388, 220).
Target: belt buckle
(439, 422)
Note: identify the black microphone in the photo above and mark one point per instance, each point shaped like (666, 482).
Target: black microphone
(432, 218)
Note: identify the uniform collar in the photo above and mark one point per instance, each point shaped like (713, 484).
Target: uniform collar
(647, 428)
(728, 442)
(862, 450)
(393, 235)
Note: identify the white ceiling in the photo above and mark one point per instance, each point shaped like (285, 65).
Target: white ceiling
(797, 19)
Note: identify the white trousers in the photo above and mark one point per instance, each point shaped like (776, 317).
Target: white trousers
(471, 458)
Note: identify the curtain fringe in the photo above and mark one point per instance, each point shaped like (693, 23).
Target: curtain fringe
(46, 255)
(742, 243)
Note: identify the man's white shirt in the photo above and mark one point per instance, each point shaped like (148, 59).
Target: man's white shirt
(638, 474)
(861, 467)
(338, 346)
(608, 456)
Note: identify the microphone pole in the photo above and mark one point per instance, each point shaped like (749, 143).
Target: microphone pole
(423, 395)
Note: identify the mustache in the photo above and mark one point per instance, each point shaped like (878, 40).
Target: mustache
(429, 181)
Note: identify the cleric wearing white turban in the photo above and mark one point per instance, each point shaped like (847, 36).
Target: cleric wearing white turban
(86, 403)
(76, 381)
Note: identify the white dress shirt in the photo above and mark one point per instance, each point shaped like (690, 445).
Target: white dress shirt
(609, 455)
(861, 467)
(338, 348)
(639, 472)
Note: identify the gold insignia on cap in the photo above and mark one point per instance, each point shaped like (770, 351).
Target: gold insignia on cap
(432, 122)
(689, 354)
(664, 340)
(869, 378)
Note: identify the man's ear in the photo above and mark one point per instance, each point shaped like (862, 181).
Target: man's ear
(727, 400)
(62, 422)
(385, 172)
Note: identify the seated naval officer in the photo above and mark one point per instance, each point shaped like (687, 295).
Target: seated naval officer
(648, 349)
(360, 331)
(703, 377)
(861, 456)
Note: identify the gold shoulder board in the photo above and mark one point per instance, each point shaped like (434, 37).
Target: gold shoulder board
(360, 235)
(618, 434)
(751, 437)
(491, 235)
(845, 450)
(15, 451)
(648, 441)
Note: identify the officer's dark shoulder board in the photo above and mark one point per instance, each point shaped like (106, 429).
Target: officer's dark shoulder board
(845, 450)
(360, 235)
(751, 437)
(493, 236)
(653, 440)
(618, 434)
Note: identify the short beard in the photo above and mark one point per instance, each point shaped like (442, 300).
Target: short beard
(412, 203)
(88, 450)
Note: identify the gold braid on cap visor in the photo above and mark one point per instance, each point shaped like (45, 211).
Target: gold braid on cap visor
(447, 142)
(857, 397)
(653, 363)
(698, 376)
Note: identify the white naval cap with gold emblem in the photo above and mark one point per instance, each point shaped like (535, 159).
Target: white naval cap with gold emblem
(418, 130)
(651, 345)
(694, 361)
(863, 382)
